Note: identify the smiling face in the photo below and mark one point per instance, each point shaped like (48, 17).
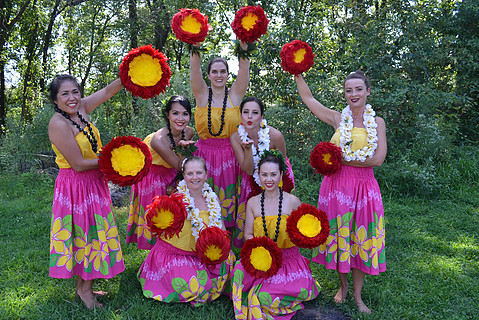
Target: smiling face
(194, 174)
(251, 115)
(270, 175)
(178, 117)
(218, 74)
(68, 97)
(356, 93)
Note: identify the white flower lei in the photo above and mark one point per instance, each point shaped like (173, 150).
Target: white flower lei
(345, 128)
(197, 224)
(263, 144)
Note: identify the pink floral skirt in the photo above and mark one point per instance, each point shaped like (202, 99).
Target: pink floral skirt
(170, 274)
(84, 238)
(279, 296)
(223, 174)
(154, 183)
(352, 200)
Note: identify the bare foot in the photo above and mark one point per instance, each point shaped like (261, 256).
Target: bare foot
(361, 306)
(89, 299)
(341, 295)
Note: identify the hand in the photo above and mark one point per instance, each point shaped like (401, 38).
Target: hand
(185, 143)
(248, 144)
(244, 45)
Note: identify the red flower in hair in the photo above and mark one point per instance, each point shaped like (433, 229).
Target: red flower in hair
(166, 215)
(250, 23)
(125, 160)
(326, 158)
(261, 257)
(144, 72)
(307, 227)
(296, 57)
(190, 26)
(213, 245)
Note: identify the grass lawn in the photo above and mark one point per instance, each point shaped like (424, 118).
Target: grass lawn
(432, 260)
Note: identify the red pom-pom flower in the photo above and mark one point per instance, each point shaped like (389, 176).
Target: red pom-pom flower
(326, 158)
(166, 215)
(296, 57)
(144, 72)
(125, 160)
(250, 23)
(261, 257)
(307, 227)
(190, 26)
(213, 245)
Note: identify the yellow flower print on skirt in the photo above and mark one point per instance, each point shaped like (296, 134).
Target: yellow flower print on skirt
(84, 238)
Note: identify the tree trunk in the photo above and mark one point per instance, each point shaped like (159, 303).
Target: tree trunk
(4, 35)
(132, 12)
(30, 56)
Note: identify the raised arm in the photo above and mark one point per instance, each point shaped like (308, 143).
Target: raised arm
(62, 137)
(324, 114)
(197, 83)
(97, 98)
(239, 87)
(161, 144)
(381, 150)
(243, 153)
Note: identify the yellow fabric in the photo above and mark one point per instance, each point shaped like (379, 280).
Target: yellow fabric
(156, 157)
(85, 148)
(186, 241)
(358, 135)
(283, 240)
(232, 120)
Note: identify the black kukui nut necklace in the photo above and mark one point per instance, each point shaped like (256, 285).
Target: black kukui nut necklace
(280, 205)
(90, 137)
(170, 135)
(225, 101)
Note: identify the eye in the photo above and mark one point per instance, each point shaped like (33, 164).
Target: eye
(186, 114)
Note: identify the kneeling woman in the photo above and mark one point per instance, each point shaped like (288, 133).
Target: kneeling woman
(173, 272)
(281, 295)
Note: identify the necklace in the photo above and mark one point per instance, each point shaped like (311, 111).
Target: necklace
(225, 101)
(345, 128)
(263, 144)
(90, 137)
(170, 135)
(214, 209)
(279, 214)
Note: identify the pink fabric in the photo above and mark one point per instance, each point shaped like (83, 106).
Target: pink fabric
(154, 183)
(170, 274)
(352, 200)
(84, 238)
(279, 296)
(223, 173)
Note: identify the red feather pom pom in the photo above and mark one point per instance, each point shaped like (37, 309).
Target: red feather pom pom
(145, 92)
(326, 158)
(166, 215)
(312, 216)
(190, 26)
(250, 23)
(264, 244)
(109, 168)
(296, 57)
(213, 245)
